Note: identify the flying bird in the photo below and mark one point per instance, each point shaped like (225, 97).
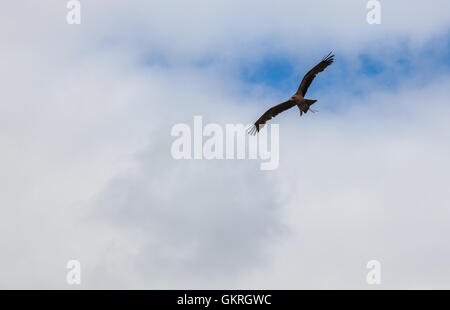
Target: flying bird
(297, 99)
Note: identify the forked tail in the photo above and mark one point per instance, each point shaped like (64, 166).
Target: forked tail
(310, 102)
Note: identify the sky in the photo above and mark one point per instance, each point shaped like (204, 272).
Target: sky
(86, 113)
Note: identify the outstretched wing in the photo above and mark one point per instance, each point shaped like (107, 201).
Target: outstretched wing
(309, 77)
(272, 112)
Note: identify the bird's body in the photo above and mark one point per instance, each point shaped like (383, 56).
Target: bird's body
(298, 99)
(302, 103)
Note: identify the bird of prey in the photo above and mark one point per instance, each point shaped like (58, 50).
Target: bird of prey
(297, 99)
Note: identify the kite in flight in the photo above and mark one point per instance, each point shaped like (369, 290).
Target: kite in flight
(297, 99)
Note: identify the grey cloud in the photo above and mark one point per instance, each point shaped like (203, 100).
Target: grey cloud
(201, 220)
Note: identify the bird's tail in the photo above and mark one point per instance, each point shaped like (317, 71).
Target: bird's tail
(310, 102)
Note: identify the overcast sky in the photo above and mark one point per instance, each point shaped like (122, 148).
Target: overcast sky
(86, 113)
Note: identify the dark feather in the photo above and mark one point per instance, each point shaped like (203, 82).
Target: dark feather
(272, 112)
(309, 77)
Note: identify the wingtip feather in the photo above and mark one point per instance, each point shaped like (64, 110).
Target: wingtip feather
(329, 57)
(251, 130)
